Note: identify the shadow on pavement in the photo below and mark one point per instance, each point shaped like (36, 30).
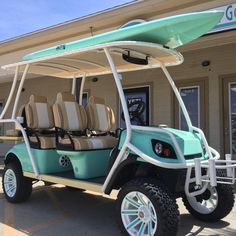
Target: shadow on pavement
(60, 211)
(191, 227)
(54, 210)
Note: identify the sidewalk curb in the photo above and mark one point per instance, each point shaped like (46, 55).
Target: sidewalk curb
(1, 161)
(1, 165)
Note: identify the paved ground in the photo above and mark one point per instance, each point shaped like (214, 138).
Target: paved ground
(56, 211)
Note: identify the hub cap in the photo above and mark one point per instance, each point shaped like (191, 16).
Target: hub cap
(138, 214)
(205, 204)
(10, 183)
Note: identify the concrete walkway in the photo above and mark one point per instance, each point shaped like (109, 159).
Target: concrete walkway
(1, 165)
(55, 211)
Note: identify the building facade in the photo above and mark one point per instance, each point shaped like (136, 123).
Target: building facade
(206, 79)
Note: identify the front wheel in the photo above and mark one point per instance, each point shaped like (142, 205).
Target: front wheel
(16, 187)
(145, 208)
(214, 204)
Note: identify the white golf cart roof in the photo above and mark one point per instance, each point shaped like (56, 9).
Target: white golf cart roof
(91, 61)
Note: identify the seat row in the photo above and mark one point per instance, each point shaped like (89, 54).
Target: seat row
(65, 126)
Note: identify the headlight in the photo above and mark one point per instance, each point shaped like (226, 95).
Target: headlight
(158, 148)
(163, 149)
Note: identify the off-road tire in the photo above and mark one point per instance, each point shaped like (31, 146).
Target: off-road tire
(23, 184)
(164, 203)
(223, 208)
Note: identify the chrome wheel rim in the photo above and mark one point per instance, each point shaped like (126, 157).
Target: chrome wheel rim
(206, 206)
(138, 214)
(10, 184)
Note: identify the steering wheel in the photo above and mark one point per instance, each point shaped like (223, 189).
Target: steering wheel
(135, 109)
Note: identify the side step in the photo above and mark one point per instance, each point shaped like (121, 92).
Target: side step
(75, 183)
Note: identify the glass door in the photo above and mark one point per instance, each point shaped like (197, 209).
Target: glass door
(195, 97)
(228, 116)
(232, 117)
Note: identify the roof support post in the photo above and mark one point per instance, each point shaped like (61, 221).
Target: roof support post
(11, 93)
(81, 89)
(19, 91)
(178, 96)
(122, 152)
(73, 85)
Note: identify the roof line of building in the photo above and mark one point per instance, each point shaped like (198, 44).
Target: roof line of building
(102, 21)
(70, 21)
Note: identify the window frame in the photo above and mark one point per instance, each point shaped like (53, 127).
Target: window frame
(230, 116)
(138, 86)
(203, 83)
(198, 104)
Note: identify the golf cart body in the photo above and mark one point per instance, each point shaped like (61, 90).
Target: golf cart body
(182, 160)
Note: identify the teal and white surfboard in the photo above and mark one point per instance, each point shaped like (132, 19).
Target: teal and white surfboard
(171, 32)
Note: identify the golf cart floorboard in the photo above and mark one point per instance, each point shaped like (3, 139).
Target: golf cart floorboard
(67, 178)
(70, 175)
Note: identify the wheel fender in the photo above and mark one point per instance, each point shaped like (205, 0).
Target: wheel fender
(18, 153)
(11, 157)
(126, 170)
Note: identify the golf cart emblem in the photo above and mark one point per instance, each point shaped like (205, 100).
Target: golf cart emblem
(61, 47)
(64, 161)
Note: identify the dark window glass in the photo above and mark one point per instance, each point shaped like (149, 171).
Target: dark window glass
(190, 97)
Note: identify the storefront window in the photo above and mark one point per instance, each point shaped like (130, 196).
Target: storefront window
(190, 96)
(137, 99)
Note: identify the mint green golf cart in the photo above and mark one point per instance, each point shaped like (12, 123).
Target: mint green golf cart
(80, 147)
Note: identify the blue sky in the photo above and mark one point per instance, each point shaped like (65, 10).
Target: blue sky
(23, 16)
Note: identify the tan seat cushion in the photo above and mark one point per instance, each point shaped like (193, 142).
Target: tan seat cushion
(68, 114)
(100, 116)
(89, 143)
(39, 113)
(46, 142)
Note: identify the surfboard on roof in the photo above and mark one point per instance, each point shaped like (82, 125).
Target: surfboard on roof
(171, 32)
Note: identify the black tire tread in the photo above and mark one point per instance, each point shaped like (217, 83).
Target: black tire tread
(24, 185)
(224, 207)
(162, 200)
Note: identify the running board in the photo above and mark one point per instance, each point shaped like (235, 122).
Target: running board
(75, 183)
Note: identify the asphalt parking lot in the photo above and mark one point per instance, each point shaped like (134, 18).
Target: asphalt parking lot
(55, 211)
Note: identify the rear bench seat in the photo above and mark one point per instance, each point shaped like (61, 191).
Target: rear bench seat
(71, 123)
(16, 132)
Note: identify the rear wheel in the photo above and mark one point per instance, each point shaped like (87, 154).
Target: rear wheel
(214, 204)
(16, 187)
(146, 208)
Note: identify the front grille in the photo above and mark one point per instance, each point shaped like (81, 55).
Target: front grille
(189, 157)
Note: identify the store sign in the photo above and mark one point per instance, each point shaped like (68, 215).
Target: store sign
(229, 19)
